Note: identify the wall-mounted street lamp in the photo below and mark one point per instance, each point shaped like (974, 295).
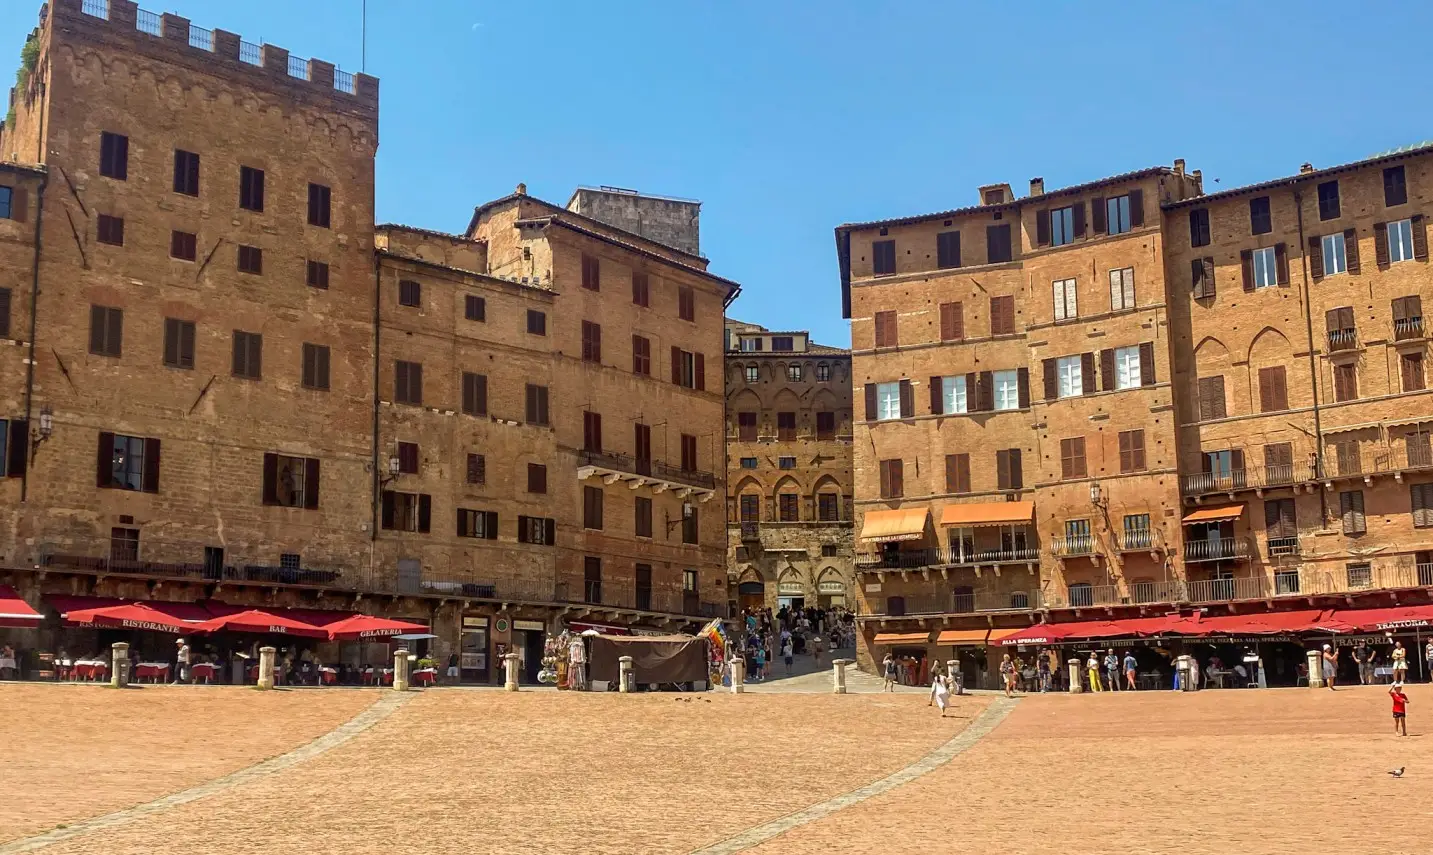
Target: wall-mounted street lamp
(393, 472)
(43, 431)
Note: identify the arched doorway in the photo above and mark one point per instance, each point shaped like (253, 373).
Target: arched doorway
(830, 589)
(751, 590)
(791, 590)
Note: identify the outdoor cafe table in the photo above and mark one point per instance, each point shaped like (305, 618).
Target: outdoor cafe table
(425, 676)
(90, 669)
(155, 671)
(205, 671)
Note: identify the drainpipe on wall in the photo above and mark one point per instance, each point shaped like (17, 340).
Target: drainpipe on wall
(1313, 360)
(374, 498)
(34, 313)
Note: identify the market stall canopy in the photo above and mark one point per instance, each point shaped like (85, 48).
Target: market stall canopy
(1379, 620)
(963, 636)
(1215, 513)
(130, 616)
(655, 658)
(14, 611)
(901, 638)
(260, 622)
(988, 513)
(900, 524)
(368, 626)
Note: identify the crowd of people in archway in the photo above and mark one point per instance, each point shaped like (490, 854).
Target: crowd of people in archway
(770, 642)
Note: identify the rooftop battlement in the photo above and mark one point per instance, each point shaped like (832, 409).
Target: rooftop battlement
(226, 51)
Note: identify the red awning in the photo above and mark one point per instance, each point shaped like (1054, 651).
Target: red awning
(1263, 623)
(368, 626)
(312, 617)
(64, 603)
(1048, 633)
(130, 616)
(1161, 625)
(260, 622)
(14, 611)
(1385, 620)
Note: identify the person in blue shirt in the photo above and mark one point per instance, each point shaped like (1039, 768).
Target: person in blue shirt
(1130, 669)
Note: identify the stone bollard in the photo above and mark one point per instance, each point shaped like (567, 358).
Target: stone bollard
(838, 675)
(400, 670)
(624, 674)
(119, 673)
(738, 676)
(957, 679)
(1075, 685)
(510, 662)
(266, 667)
(1316, 669)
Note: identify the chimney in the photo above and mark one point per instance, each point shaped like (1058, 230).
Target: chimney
(1306, 169)
(521, 190)
(1037, 187)
(1179, 166)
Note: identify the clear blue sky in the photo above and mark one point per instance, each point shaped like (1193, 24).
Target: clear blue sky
(788, 118)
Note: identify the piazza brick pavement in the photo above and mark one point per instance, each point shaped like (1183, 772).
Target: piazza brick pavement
(1286, 771)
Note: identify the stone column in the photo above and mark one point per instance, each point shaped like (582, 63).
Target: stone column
(266, 667)
(510, 663)
(624, 674)
(400, 670)
(1316, 669)
(1075, 686)
(838, 675)
(738, 676)
(957, 679)
(119, 669)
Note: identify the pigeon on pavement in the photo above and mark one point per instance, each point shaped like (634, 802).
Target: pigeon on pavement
(1397, 773)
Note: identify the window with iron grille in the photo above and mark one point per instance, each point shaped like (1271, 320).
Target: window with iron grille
(124, 544)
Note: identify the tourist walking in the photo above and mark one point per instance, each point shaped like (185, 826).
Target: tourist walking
(1131, 664)
(1400, 663)
(1330, 664)
(1092, 665)
(8, 667)
(888, 667)
(181, 662)
(1400, 709)
(1360, 658)
(1042, 668)
(816, 650)
(1428, 660)
(940, 693)
(1007, 675)
(1112, 670)
(786, 652)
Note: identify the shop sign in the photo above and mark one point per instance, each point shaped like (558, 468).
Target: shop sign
(832, 587)
(1402, 624)
(529, 625)
(791, 588)
(501, 624)
(873, 587)
(474, 661)
(1356, 640)
(474, 622)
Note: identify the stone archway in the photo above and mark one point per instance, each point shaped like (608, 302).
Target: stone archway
(750, 588)
(831, 588)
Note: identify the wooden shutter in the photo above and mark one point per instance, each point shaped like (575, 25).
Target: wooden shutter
(1246, 261)
(937, 398)
(952, 473)
(1203, 277)
(1042, 227)
(425, 512)
(1125, 460)
(388, 510)
(1422, 496)
(271, 479)
(1146, 363)
(104, 461)
(1097, 211)
(1411, 370)
(18, 456)
(1136, 208)
(97, 329)
(401, 391)
(1211, 398)
(677, 365)
(1350, 249)
(1022, 387)
(1087, 372)
(20, 204)
(908, 404)
(1137, 449)
(549, 531)
(1420, 237)
(885, 470)
(985, 391)
(1345, 386)
(898, 484)
(1002, 469)
(870, 402)
(1078, 219)
(1017, 472)
(311, 483)
(1107, 369)
(700, 371)
(171, 339)
(1380, 245)
(151, 465)
(1351, 505)
(1052, 383)
(1281, 263)
(952, 322)
(1273, 394)
(1316, 258)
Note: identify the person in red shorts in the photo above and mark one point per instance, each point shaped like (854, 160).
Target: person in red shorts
(1400, 709)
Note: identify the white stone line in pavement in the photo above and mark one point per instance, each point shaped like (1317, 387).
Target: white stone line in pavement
(376, 712)
(984, 723)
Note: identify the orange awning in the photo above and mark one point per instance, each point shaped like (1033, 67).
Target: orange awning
(988, 513)
(1215, 513)
(997, 635)
(902, 638)
(962, 636)
(901, 524)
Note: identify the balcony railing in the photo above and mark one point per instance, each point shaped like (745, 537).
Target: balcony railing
(1248, 478)
(1073, 545)
(1220, 549)
(1408, 328)
(954, 602)
(750, 530)
(1222, 590)
(1343, 339)
(905, 559)
(1082, 596)
(968, 556)
(1171, 591)
(648, 468)
(1139, 539)
(1283, 545)
(1412, 455)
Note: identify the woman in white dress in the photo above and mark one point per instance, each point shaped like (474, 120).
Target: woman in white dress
(941, 691)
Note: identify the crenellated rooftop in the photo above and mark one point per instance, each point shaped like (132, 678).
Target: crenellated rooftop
(227, 51)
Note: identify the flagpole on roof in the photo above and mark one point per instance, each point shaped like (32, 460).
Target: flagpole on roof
(363, 63)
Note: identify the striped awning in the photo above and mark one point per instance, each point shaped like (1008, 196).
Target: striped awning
(902, 638)
(900, 524)
(988, 513)
(1214, 513)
